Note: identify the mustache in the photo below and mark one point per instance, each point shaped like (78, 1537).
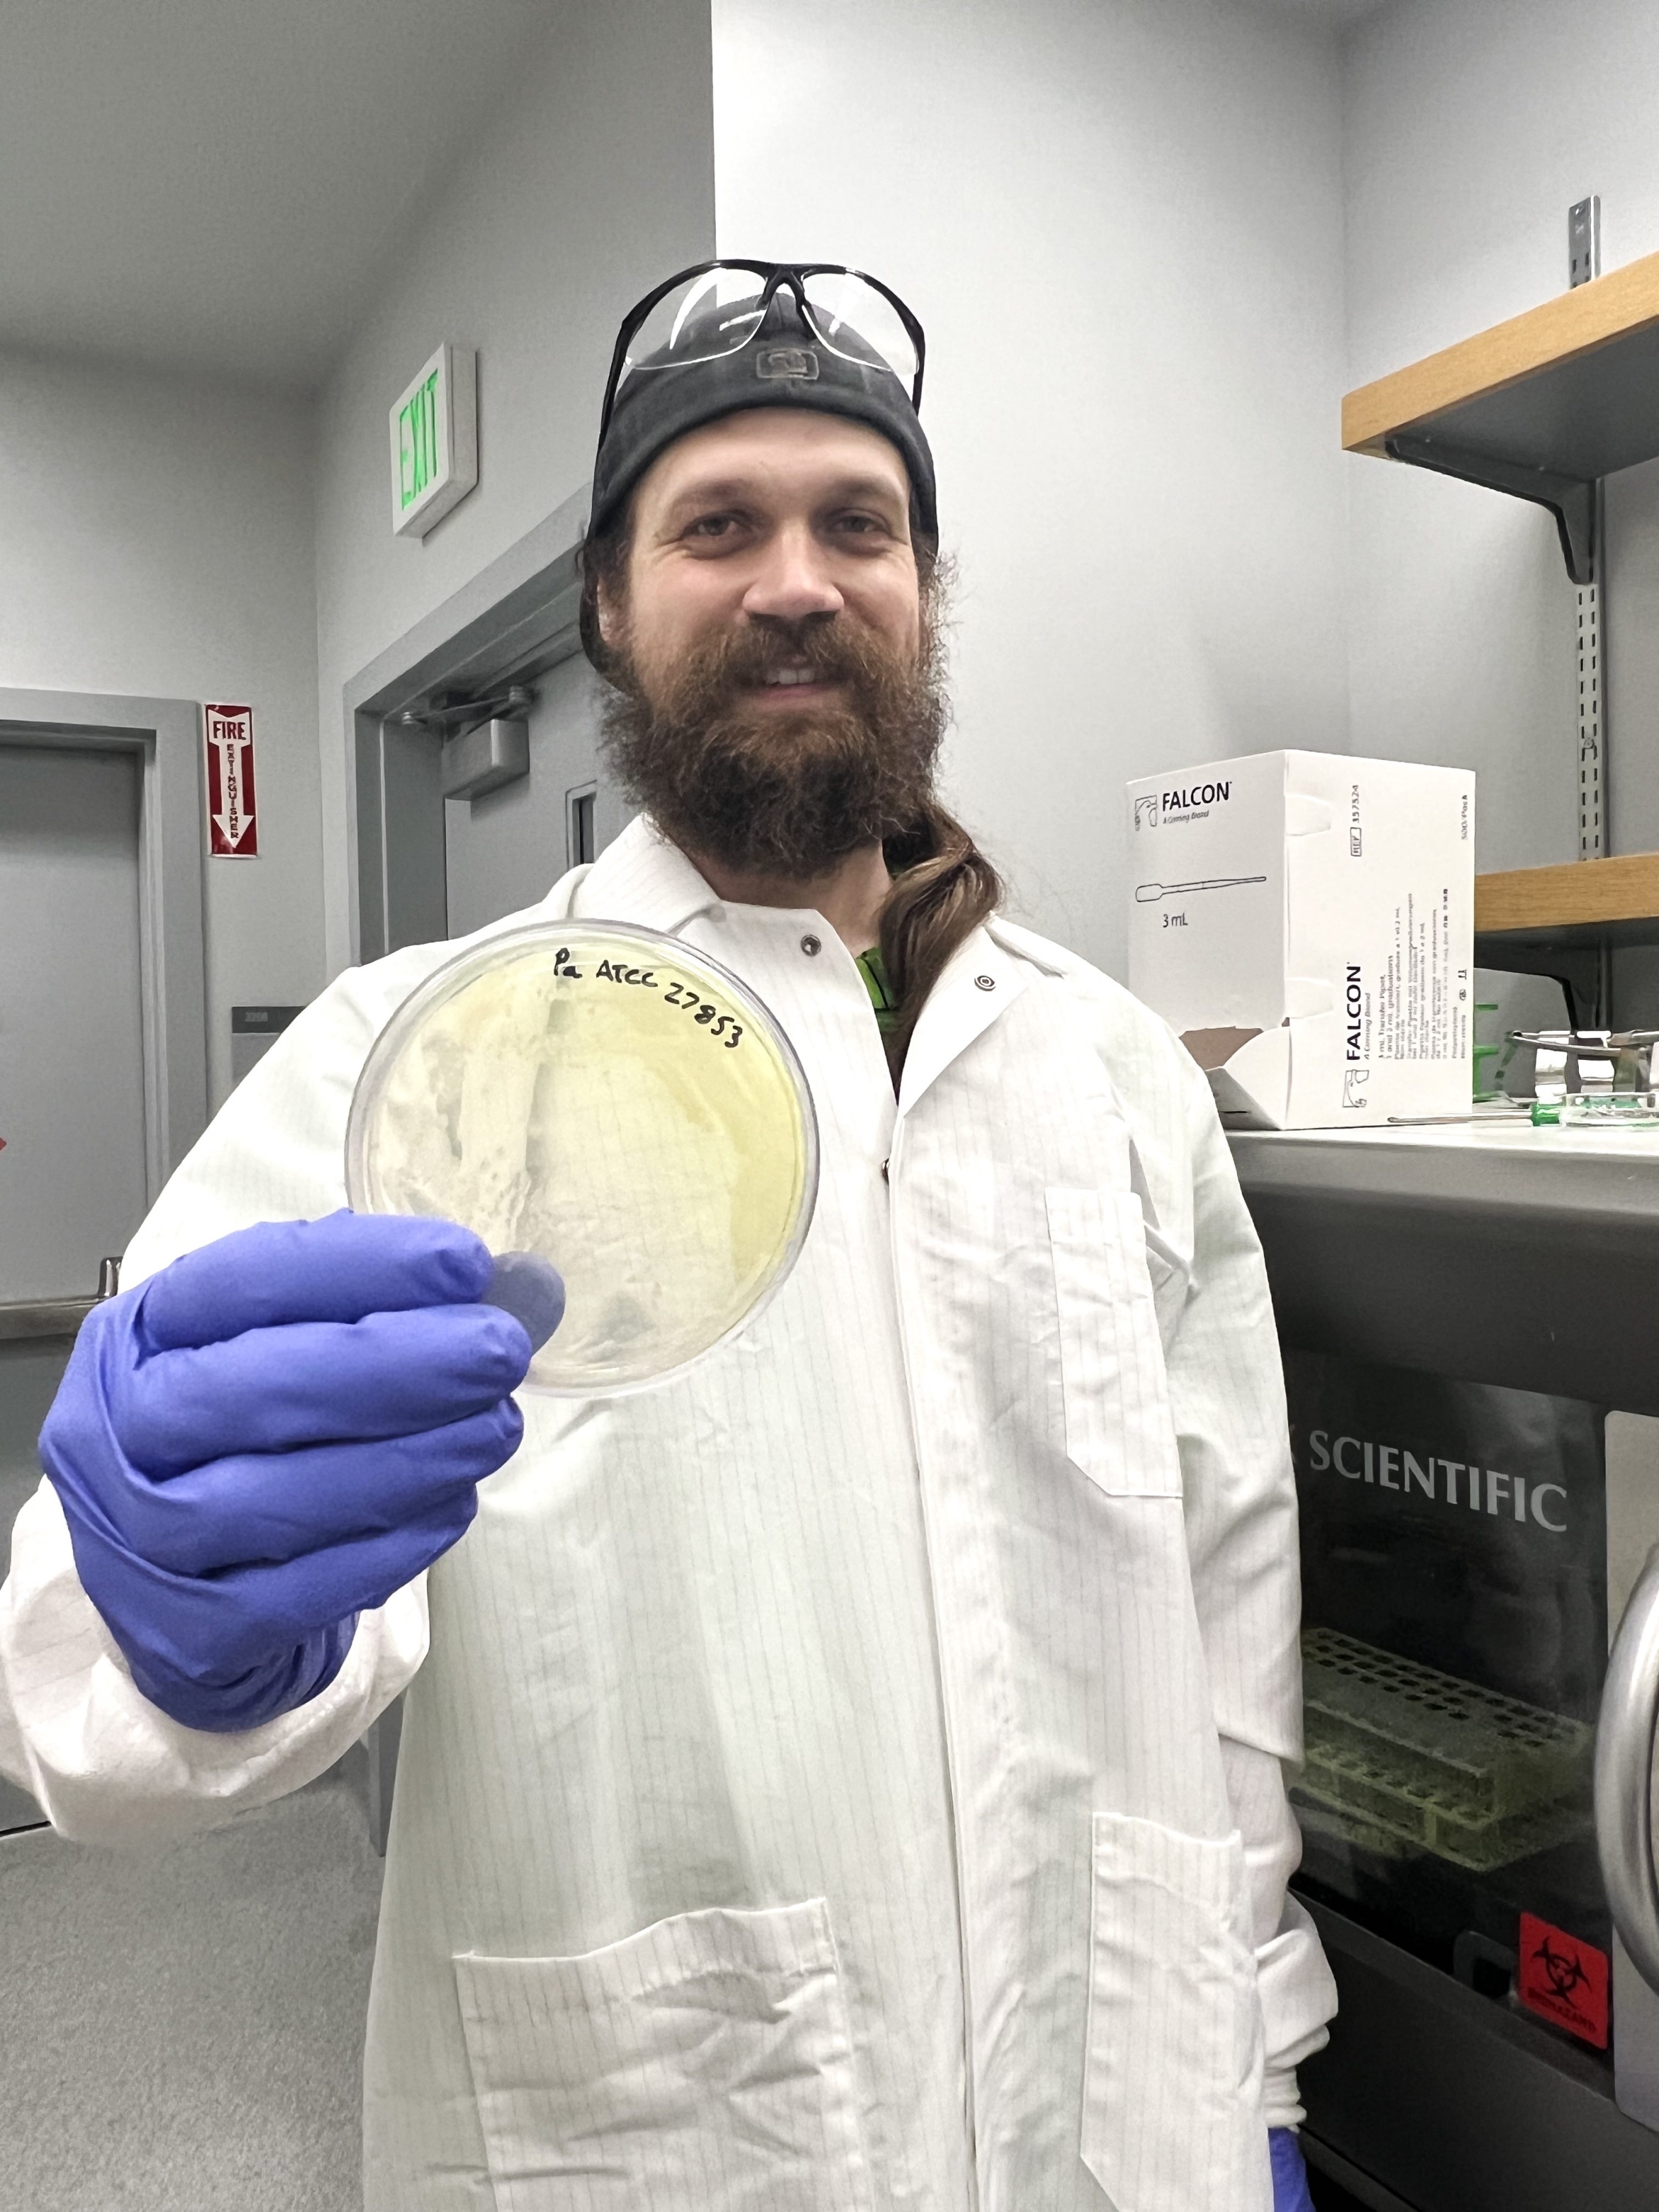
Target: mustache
(834, 649)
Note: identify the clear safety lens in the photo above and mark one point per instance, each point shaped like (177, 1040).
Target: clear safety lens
(712, 313)
(719, 310)
(841, 306)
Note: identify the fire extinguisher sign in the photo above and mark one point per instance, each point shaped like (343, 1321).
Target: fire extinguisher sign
(233, 820)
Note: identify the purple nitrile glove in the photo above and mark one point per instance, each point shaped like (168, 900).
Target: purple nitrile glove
(270, 1435)
(1290, 2174)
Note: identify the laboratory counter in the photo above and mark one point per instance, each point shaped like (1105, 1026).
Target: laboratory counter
(1493, 1251)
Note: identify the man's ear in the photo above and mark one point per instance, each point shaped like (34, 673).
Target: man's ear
(609, 613)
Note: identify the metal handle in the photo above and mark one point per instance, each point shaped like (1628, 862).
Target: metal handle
(35, 1317)
(1624, 1775)
(30, 1317)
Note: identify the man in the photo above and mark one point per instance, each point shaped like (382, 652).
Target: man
(849, 1777)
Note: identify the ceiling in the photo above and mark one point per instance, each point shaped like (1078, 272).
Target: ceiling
(218, 183)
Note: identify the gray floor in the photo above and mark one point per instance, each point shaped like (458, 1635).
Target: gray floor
(181, 2031)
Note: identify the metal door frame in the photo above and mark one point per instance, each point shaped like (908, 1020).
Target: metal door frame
(166, 735)
(512, 622)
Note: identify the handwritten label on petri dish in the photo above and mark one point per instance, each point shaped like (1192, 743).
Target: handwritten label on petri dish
(724, 1025)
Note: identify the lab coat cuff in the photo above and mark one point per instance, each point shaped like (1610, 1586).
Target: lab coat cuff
(1281, 2101)
(108, 1765)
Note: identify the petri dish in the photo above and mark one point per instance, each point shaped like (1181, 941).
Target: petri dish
(616, 1102)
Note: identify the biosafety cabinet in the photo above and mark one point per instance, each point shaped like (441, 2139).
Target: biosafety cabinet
(1470, 1323)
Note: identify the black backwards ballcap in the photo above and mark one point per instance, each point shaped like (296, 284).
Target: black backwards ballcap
(783, 365)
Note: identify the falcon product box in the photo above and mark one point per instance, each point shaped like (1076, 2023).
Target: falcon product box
(1305, 921)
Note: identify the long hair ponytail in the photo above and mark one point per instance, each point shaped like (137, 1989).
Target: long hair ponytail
(943, 888)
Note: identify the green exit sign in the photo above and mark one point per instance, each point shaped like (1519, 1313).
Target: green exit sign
(417, 443)
(434, 441)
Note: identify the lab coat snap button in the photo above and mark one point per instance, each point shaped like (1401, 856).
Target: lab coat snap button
(986, 982)
(883, 1171)
(810, 945)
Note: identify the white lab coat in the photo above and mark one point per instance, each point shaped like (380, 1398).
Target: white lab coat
(847, 1779)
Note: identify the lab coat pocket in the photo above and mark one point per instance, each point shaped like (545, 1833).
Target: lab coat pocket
(1118, 1428)
(1172, 2117)
(705, 2061)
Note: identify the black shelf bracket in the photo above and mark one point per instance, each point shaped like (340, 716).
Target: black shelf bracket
(1580, 969)
(1571, 499)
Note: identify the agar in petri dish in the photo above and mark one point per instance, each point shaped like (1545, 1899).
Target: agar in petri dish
(616, 1102)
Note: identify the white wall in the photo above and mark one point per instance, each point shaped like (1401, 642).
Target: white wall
(593, 182)
(155, 536)
(1121, 226)
(1470, 127)
(1152, 242)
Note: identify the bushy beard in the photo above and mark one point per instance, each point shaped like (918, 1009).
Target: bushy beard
(769, 790)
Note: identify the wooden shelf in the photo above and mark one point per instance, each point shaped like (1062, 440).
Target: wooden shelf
(1571, 386)
(1612, 902)
(1542, 406)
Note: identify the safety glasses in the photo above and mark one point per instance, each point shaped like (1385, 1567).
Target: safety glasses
(717, 307)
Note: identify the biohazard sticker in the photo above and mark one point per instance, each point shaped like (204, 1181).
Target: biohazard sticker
(233, 827)
(1564, 1979)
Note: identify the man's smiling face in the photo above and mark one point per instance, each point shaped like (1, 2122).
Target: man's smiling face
(771, 642)
(768, 521)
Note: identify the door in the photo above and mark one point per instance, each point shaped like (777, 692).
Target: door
(72, 1172)
(72, 1182)
(507, 848)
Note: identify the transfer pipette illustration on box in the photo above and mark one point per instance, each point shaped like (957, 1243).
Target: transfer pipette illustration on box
(1148, 894)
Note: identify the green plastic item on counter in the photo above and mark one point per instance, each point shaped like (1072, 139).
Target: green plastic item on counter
(1593, 1109)
(1481, 1053)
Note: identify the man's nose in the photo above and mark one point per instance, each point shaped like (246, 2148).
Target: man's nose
(793, 581)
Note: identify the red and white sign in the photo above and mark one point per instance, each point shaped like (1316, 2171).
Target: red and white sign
(233, 827)
(1564, 1979)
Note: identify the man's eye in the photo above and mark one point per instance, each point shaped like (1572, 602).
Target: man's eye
(711, 525)
(863, 525)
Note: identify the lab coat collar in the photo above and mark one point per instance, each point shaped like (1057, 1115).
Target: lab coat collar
(642, 878)
(645, 878)
(981, 980)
